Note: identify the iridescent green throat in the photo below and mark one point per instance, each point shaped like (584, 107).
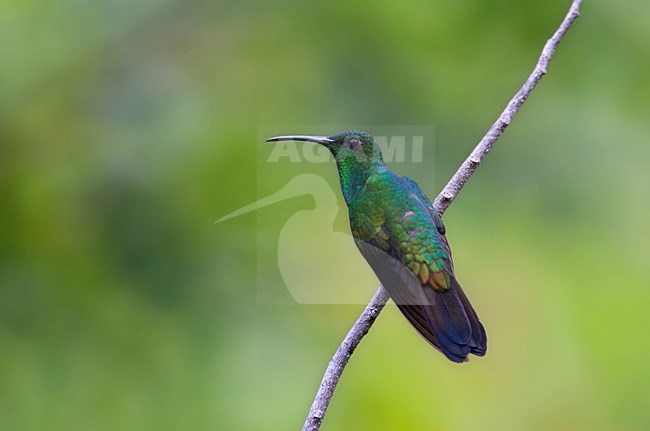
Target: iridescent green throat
(354, 174)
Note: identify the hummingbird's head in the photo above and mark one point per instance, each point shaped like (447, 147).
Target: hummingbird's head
(347, 146)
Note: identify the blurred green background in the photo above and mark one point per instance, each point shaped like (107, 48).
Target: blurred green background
(128, 127)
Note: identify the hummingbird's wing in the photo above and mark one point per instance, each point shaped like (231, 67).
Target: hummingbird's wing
(427, 315)
(406, 248)
(478, 341)
(440, 317)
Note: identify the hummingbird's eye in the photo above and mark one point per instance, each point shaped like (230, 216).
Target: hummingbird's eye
(354, 142)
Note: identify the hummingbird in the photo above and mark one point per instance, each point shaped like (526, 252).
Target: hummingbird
(402, 237)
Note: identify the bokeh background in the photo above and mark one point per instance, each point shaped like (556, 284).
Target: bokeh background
(128, 127)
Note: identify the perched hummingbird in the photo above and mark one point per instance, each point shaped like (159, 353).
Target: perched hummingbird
(403, 239)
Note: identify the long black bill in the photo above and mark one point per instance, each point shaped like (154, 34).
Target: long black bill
(323, 140)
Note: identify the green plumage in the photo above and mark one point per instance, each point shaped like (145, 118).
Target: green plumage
(403, 239)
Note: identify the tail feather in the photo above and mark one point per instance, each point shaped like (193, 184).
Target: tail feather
(445, 319)
(478, 341)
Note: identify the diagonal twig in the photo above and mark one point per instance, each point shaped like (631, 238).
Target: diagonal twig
(443, 200)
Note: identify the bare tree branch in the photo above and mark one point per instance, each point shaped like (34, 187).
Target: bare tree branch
(468, 167)
(442, 201)
(341, 357)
